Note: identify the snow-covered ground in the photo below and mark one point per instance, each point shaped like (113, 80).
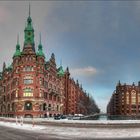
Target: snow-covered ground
(22, 126)
(77, 121)
(85, 133)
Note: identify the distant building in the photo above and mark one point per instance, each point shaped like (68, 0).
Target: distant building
(125, 100)
(32, 86)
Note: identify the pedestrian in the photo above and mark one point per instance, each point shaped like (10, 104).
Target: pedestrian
(21, 120)
(16, 120)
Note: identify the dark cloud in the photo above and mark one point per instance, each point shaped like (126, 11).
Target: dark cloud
(104, 36)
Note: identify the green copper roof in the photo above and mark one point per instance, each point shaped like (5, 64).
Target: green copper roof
(10, 67)
(60, 71)
(40, 50)
(17, 53)
(29, 31)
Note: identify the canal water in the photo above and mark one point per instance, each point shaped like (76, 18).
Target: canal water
(115, 117)
(103, 117)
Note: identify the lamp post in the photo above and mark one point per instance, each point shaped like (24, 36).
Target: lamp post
(48, 109)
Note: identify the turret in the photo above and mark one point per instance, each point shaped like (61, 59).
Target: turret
(52, 56)
(67, 71)
(17, 52)
(77, 82)
(119, 83)
(40, 50)
(133, 84)
(139, 83)
(52, 60)
(81, 87)
(60, 71)
(4, 66)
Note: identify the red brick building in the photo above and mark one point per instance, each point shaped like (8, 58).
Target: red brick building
(32, 86)
(76, 98)
(125, 100)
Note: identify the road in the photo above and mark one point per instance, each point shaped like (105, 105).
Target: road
(8, 133)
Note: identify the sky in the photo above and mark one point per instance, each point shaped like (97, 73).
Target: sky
(98, 40)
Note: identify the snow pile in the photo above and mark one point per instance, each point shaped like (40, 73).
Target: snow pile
(94, 121)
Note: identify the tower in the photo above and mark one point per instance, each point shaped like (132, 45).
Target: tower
(29, 45)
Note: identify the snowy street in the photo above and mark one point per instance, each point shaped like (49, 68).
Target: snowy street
(12, 131)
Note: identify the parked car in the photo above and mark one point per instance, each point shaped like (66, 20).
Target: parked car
(58, 117)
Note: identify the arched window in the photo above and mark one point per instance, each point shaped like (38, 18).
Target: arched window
(28, 68)
(44, 106)
(28, 92)
(133, 97)
(28, 106)
(8, 107)
(13, 106)
(3, 108)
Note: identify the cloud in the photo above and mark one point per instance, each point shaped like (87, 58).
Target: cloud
(86, 71)
(4, 14)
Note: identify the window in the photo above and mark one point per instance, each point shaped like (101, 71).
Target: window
(4, 98)
(28, 92)
(50, 97)
(44, 106)
(127, 98)
(45, 95)
(16, 93)
(28, 80)
(49, 107)
(54, 97)
(57, 108)
(17, 70)
(50, 85)
(8, 107)
(12, 95)
(41, 93)
(28, 68)
(13, 106)
(45, 84)
(41, 81)
(139, 98)
(133, 97)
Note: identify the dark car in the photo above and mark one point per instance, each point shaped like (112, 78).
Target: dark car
(58, 117)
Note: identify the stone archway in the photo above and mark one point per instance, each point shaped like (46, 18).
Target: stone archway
(28, 106)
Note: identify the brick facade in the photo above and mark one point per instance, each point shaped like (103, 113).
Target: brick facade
(125, 100)
(32, 86)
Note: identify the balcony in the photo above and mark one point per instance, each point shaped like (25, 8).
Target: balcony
(52, 91)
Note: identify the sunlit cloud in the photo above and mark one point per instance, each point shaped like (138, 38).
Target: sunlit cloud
(86, 71)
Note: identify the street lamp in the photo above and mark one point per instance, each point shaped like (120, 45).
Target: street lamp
(49, 108)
